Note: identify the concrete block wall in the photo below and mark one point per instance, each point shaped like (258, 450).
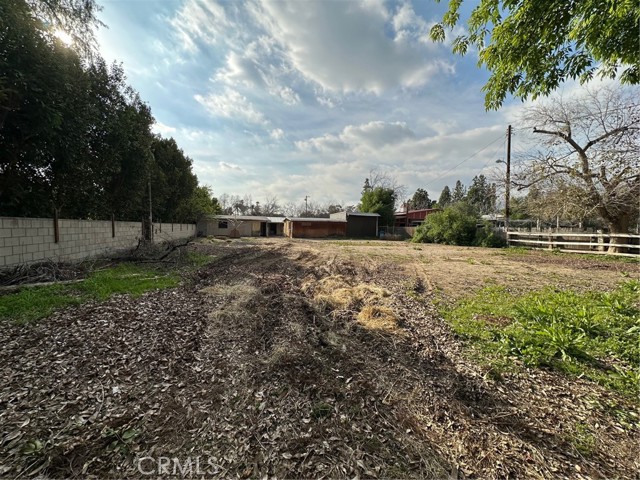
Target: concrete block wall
(163, 232)
(29, 240)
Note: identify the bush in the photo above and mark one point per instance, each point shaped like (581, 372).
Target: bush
(488, 237)
(455, 225)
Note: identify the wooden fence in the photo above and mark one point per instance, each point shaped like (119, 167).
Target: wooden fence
(596, 243)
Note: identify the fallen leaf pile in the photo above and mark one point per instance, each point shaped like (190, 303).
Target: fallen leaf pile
(242, 369)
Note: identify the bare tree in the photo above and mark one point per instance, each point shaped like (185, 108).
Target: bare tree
(270, 206)
(590, 143)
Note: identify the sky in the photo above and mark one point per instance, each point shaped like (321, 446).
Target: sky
(305, 98)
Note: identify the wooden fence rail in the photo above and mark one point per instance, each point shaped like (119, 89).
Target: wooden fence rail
(595, 243)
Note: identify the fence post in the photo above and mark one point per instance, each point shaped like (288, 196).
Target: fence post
(56, 227)
(600, 240)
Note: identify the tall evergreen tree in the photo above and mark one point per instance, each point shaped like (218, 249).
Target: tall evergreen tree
(445, 197)
(459, 192)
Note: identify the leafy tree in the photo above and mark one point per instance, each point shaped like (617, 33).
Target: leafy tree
(379, 200)
(172, 180)
(590, 146)
(200, 202)
(459, 192)
(455, 225)
(77, 18)
(46, 117)
(74, 136)
(482, 195)
(445, 197)
(420, 200)
(531, 47)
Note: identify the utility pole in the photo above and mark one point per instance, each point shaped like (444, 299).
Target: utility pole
(306, 205)
(150, 203)
(150, 213)
(507, 195)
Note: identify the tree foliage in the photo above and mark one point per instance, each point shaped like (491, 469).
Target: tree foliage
(588, 154)
(77, 18)
(74, 136)
(531, 47)
(445, 197)
(420, 200)
(482, 195)
(459, 192)
(379, 200)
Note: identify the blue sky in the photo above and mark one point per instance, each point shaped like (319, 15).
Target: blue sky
(304, 98)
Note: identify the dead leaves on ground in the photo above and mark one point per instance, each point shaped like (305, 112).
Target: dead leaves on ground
(245, 368)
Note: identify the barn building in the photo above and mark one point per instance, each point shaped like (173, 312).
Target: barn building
(412, 218)
(359, 224)
(314, 227)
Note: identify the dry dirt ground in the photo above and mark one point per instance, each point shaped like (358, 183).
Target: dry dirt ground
(303, 359)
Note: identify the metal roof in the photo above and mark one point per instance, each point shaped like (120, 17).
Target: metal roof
(362, 214)
(247, 218)
(314, 219)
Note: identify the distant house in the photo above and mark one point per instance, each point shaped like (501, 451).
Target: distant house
(314, 227)
(412, 218)
(359, 224)
(241, 226)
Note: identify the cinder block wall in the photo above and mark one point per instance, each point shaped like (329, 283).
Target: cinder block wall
(28, 240)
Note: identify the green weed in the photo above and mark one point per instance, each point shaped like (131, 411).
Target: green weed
(34, 303)
(126, 278)
(592, 334)
(197, 260)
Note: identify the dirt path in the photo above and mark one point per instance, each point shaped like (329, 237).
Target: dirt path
(289, 359)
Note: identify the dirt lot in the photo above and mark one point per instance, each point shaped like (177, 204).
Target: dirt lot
(304, 359)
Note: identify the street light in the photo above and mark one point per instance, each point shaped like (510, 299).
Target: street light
(507, 193)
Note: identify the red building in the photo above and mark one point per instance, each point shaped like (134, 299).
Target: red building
(412, 218)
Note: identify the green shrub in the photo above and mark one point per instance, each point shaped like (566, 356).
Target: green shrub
(488, 237)
(455, 225)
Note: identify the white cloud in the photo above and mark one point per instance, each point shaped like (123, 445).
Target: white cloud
(200, 20)
(240, 70)
(369, 136)
(277, 134)
(343, 46)
(162, 129)
(231, 104)
(230, 166)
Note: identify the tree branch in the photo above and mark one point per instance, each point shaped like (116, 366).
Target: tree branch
(591, 143)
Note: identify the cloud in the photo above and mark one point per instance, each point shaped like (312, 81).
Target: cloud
(277, 134)
(345, 46)
(200, 21)
(230, 166)
(369, 136)
(231, 104)
(162, 129)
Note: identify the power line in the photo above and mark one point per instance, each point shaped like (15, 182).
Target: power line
(465, 160)
(491, 160)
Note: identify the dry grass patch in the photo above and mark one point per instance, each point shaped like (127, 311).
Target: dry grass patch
(378, 318)
(336, 292)
(238, 292)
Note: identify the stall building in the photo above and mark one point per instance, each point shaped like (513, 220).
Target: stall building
(240, 226)
(359, 224)
(314, 227)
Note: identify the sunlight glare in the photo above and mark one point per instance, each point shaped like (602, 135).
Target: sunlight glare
(64, 37)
